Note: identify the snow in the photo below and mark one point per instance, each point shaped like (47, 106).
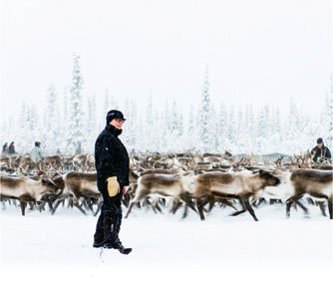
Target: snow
(41, 250)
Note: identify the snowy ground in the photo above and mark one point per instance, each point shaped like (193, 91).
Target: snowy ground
(169, 252)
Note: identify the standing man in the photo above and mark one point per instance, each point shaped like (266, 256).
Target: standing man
(320, 153)
(37, 155)
(11, 149)
(112, 165)
(5, 149)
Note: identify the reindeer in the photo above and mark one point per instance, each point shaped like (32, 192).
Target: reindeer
(76, 185)
(240, 185)
(317, 183)
(26, 189)
(174, 186)
(84, 162)
(53, 162)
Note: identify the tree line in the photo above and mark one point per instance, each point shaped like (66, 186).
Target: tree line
(71, 126)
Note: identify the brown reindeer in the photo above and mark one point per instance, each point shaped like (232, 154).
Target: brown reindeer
(317, 183)
(173, 186)
(239, 185)
(26, 189)
(53, 162)
(76, 186)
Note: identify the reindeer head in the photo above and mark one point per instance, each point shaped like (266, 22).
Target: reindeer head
(268, 178)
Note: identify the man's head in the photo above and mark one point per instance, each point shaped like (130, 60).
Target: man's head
(37, 143)
(320, 142)
(115, 118)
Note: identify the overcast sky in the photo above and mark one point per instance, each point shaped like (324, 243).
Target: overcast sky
(257, 51)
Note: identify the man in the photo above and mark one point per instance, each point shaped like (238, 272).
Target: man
(320, 153)
(5, 149)
(11, 149)
(36, 153)
(112, 165)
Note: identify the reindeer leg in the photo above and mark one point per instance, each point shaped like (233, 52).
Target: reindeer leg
(310, 200)
(23, 206)
(152, 206)
(211, 203)
(90, 205)
(330, 206)
(185, 211)
(31, 205)
(200, 209)
(188, 201)
(41, 207)
(130, 209)
(50, 205)
(289, 202)
(98, 208)
(239, 211)
(261, 201)
(249, 208)
(205, 201)
(228, 203)
(76, 204)
(158, 207)
(175, 206)
(322, 208)
(58, 202)
(302, 206)
(126, 199)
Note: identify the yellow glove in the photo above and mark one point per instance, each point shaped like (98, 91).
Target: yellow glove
(113, 186)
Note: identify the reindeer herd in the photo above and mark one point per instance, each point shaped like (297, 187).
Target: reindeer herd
(196, 182)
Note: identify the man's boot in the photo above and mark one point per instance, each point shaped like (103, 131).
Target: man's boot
(117, 244)
(111, 229)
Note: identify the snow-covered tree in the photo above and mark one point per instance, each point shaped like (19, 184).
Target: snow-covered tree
(292, 128)
(205, 115)
(76, 131)
(329, 115)
(91, 122)
(231, 140)
(130, 134)
(52, 122)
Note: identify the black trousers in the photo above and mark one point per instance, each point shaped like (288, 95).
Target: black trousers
(109, 221)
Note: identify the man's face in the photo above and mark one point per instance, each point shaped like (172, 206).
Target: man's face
(319, 145)
(117, 123)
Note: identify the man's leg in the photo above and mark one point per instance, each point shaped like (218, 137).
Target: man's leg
(118, 210)
(101, 229)
(116, 215)
(99, 234)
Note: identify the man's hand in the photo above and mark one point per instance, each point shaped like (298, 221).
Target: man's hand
(113, 186)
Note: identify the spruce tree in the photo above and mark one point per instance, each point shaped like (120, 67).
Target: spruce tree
(75, 134)
(205, 114)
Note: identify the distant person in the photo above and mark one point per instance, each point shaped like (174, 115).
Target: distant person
(78, 150)
(320, 153)
(5, 149)
(36, 153)
(11, 149)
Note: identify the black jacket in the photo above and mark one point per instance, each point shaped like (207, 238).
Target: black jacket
(320, 154)
(111, 158)
(11, 149)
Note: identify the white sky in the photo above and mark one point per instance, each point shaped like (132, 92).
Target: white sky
(257, 51)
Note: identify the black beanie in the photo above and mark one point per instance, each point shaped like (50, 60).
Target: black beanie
(112, 114)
